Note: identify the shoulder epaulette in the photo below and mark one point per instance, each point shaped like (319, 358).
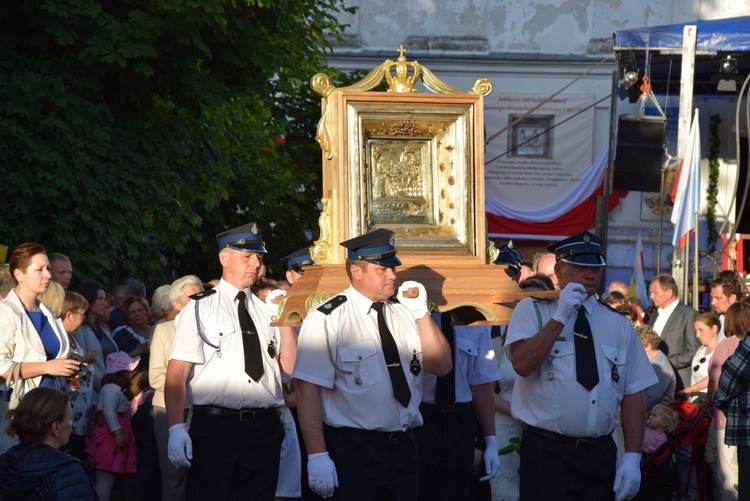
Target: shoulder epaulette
(621, 312)
(200, 295)
(330, 305)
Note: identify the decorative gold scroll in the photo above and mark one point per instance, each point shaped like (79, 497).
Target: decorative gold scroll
(399, 81)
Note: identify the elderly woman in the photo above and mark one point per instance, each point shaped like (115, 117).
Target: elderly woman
(662, 392)
(162, 309)
(133, 337)
(80, 391)
(33, 346)
(35, 469)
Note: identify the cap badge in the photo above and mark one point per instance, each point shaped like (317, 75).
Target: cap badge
(254, 229)
(390, 241)
(587, 239)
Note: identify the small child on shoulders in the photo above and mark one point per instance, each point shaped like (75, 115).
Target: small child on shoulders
(661, 420)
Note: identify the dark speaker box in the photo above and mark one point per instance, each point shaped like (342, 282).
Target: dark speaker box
(640, 152)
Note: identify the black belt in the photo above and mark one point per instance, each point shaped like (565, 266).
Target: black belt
(393, 436)
(574, 441)
(235, 414)
(455, 407)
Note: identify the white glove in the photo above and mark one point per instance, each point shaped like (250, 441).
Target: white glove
(179, 446)
(321, 474)
(628, 477)
(571, 298)
(491, 458)
(416, 305)
(273, 308)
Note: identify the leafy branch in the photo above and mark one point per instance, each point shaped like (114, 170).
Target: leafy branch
(713, 181)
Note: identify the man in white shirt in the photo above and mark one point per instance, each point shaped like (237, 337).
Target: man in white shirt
(226, 360)
(578, 362)
(674, 323)
(359, 369)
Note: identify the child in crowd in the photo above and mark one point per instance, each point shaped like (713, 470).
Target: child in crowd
(661, 420)
(110, 444)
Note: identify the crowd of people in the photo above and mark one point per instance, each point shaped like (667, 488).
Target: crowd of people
(113, 396)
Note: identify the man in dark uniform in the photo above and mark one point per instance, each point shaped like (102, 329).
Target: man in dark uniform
(294, 267)
(452, 406)
(359, 370)
(510, 257)
(294, 264)
(578, 361)
(226, 358)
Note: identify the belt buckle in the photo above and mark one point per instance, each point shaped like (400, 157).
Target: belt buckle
(394, 435)
(582, 442)
(247, 415)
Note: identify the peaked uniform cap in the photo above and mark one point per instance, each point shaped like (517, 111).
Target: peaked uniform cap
(509, 256)
(375, 247)
(246, 237)
(297, 260)
(584, 249)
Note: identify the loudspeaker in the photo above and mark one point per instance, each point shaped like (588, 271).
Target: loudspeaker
(640, 152)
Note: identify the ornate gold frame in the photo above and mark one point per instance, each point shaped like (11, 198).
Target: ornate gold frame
(412, 162)
(407, 161)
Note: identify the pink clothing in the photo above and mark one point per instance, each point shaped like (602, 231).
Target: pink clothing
(652, 439)
(724, 350)
(102, 451)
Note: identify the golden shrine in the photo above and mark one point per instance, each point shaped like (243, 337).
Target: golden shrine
(411, 162)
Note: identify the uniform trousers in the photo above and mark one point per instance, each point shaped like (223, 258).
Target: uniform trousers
(235, 455)
(553, 468)
(446, 452)
(373, 465)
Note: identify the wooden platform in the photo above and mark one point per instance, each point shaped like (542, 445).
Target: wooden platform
(476, 294)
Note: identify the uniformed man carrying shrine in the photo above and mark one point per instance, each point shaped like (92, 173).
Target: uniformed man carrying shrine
(360, 363)
(578, 361)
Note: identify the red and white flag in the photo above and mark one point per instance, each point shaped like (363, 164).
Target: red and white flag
(637, 280)
(686, 193)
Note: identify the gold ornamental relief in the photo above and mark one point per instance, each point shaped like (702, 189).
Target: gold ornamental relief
(322, 250)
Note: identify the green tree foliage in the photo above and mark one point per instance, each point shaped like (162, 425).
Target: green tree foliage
(131, 132)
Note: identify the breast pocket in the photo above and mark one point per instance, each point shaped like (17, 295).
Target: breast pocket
(218, 332)
(562, 361)
(467, 351)
(614, 365)
(362, 362)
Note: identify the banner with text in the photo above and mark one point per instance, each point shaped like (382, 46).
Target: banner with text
(541, 166)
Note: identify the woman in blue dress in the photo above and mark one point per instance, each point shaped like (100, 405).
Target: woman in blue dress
(33, 347)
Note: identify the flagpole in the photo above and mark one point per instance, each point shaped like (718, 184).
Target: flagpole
(695, 265)
(685, 272)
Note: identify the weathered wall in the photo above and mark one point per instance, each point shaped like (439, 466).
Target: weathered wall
(537, 47)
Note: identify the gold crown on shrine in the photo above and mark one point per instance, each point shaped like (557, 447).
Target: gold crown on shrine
(401, 80)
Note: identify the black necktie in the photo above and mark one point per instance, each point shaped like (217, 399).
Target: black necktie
(445, 388)
(250, 340)
(392, 361)
(586, 371)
